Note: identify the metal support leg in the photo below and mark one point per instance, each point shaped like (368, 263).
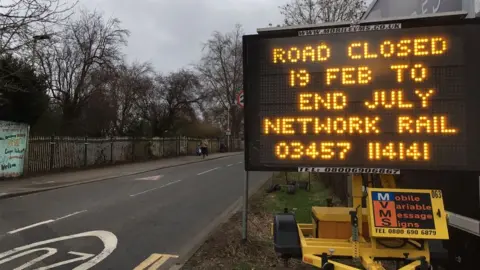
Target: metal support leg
(357, 194)
(245, 208)
(349, 190)
(388, 181)
(356, 214)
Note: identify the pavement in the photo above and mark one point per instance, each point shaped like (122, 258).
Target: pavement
(23, 186)
(129, 219)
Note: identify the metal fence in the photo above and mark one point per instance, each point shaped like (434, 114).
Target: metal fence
(58, 153)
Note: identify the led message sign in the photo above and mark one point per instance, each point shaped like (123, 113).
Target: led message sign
(390, 99)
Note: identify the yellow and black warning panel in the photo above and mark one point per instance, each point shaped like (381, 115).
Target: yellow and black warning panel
(407, 213)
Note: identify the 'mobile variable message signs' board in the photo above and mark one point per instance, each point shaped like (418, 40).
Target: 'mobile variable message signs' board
(406, 213)
(403, 98)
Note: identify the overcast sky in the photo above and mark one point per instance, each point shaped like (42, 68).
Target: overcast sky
(169, 33)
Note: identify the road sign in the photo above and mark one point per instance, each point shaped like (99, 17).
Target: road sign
(395, 95)
(240, 98)
(407, 213)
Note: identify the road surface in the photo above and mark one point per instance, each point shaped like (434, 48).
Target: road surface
(119, 223)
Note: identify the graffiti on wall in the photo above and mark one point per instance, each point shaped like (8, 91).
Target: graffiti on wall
(13, 148)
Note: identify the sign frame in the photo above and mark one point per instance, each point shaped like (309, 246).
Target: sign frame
(437, 211)
(251, 112)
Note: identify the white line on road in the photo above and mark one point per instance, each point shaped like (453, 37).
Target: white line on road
(240, 162)
(72, 214)
(229, 165)
(109, 240)
(148, 190)
(31, 226)
(151, 178)
(50, 252)
(208, 171)
(44, 222)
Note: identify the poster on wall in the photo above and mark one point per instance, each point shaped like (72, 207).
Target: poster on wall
(13, 148)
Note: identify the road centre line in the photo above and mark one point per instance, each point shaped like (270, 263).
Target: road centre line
(31, 226)
(207, 171)
(72, 214)
(152, 189)
(44, 222)
(229, 165)
(240, 162)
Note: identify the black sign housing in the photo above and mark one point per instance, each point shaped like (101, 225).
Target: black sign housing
(444, 134)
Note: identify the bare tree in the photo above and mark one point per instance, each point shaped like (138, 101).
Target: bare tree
(221, 68)
(77, 59)
(129, 85)
(97, 116)
(299, 12)
(20, 20)
(172, 101)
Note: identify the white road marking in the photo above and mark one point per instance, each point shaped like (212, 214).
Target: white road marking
(148, 190)
(31, 226)
(72, 214)
(81, 257)
(229, 165)
(151, 178)
(50, 252)
(44, 222)
(109, 240)
(208, 171)
(240, 162)
(49, 182)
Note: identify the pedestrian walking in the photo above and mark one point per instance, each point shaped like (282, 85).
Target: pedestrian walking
(204, 147)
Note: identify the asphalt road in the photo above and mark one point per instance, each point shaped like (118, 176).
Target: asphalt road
(119, 223)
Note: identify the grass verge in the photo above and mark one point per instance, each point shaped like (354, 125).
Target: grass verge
(224, 249)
